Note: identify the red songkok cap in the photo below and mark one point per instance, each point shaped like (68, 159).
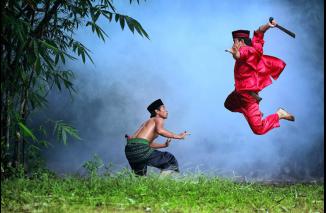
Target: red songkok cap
(241, 34)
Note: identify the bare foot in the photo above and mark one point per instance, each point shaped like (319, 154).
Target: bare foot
(282, 114)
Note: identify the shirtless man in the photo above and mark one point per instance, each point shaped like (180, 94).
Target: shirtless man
(141, 147)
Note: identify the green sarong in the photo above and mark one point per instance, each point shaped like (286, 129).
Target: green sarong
(138, 150)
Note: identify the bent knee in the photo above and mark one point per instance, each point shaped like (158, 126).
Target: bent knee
(170, 156)
(258, 130)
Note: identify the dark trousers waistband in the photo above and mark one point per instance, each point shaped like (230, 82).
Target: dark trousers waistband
(255, 95)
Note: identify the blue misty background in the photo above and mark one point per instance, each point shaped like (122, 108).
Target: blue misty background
(185, 65)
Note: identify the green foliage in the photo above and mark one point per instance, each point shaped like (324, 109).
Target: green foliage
(108, 169)
(35, 161)
(18, 172)
(92, 166)
(37, 40)
(26, 131)
(126, 193)
(63, 130)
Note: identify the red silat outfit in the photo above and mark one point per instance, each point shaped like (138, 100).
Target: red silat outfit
(252, 73)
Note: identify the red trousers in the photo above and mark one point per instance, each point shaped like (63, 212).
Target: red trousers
(246, 104)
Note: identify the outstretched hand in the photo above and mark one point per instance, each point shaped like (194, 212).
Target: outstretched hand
(184, 134)
(167, 142)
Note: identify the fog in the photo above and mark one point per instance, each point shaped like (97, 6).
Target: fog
(184, 64)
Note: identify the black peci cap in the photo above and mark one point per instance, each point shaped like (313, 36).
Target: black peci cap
(155, 105)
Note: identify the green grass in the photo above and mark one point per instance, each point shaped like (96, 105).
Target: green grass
(125, 193)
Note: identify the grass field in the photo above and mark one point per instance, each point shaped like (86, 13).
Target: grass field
(123, 192)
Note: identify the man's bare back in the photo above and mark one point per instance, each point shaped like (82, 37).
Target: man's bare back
(146, 131)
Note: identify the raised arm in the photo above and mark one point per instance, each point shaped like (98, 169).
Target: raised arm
(159, 128)
(258, 38)
(265, 27)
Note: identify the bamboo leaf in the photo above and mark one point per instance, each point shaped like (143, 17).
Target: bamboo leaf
(46, 44)
(37, 100)
(91, 10)
(130, 24)
(57, 82)
(26, 131)
(37, 65)
(117, 17)
(138, 30)
(69, 56)
(64, 136)
(122, 22)
(62, 56)
(101, 33)
(49, 61)
(144, 32)
(63, 130)
(133, 24)
(107, 14)
(89, 57)
(97, 14)
(72, 132)
(56, 59)
(83, 56)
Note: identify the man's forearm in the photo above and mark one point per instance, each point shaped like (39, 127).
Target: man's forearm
(168, 134)
(264, 28)
(157, 145)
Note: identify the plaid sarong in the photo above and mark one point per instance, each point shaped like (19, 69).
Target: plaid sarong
(138, 150)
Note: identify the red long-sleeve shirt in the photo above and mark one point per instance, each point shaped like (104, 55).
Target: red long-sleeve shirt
(252, 71)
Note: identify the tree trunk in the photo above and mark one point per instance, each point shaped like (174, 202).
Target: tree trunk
(17, 150)
(8, 122)
(24, 119)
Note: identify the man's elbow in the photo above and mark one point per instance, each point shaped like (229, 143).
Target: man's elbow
(160, 131)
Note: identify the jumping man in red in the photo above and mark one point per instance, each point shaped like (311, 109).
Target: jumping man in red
(252, 72)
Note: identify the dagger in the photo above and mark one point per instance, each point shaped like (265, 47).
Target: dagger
(282, 28)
